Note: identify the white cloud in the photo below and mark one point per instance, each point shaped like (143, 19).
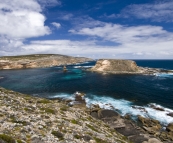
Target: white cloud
(125, 34)
(22, 19)
(57, 25)
(133, 41)
(160, 11)
(86, 21)
(138, 42)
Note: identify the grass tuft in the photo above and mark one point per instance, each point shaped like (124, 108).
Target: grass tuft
(74, 121)
(92, 128)
(7, 138)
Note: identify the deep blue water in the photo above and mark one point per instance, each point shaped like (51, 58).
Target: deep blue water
(121, 91)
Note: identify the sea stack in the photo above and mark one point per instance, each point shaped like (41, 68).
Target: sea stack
(115, 66)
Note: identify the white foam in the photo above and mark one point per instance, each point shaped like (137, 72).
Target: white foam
(83, 66)
(160, 115)
(63, 96)
(164, 75)
(125, 107)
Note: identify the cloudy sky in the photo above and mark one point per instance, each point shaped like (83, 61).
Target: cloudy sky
(133, 29)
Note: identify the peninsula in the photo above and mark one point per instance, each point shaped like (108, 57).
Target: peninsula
(39, 61)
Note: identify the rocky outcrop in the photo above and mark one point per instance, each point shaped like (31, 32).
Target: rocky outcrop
(39, 60)
(150, 125)
(122, 125)
(154, 127)
(115, 66)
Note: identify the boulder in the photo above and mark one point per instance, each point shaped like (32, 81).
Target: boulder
(170, 127)
(79, 101)
(156, 107)
(170, 114)
(108, 113)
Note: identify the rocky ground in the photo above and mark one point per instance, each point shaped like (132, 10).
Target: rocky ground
(115, 66)
(39, 60)
(27, 119)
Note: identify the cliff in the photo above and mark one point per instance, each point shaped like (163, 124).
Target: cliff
(27, 119)
(116, 66)
(38, 61)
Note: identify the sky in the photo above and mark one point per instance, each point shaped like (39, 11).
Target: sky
(119, 29)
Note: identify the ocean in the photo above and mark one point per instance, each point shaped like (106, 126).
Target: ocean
(118, 92)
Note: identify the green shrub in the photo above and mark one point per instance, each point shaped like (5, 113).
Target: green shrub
(44, 101)
(92, 128)
(19, 141)
(74, 121)
(7, 138)
(64, 108)
(99, 140)
(58, 134)
(77, 136)
(48, 110)
(13, 119)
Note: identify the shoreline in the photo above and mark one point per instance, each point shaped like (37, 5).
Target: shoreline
(121, 126)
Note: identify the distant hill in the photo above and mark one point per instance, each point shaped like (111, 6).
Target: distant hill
(38, 60)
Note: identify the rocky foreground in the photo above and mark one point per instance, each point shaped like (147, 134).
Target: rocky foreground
(27, 119)
(124, 67)
(38, 61)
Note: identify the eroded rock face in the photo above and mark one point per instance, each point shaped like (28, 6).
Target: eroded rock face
(118, 66)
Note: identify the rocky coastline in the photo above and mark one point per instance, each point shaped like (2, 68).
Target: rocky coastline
(31, 119)
(115, 66)
(145, 130)
(28, 119)
(38, 61)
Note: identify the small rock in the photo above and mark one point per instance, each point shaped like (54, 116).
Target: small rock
(156, 108)
(170, 114)
(127, 116)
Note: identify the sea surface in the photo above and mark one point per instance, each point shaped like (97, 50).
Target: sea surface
(118, 92)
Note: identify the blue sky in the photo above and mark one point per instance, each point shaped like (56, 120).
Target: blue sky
(120, 29)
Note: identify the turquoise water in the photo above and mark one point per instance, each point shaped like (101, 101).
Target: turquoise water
(119, 91)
